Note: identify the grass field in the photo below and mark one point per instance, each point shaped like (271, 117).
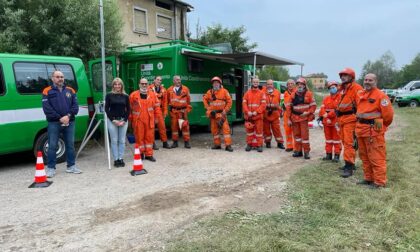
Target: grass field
(327, 213)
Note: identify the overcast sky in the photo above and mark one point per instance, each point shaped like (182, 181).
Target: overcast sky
(326, 35)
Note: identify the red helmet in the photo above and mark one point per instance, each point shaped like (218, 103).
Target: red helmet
(249, 125)
(215, 78)
(330, 83)
(348, 71)
(301, 80)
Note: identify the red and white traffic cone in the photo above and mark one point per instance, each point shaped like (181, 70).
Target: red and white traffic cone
(40, 175)
(138, 163)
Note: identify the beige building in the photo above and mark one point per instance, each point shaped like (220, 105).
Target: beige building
(318, 80)
(153, 21)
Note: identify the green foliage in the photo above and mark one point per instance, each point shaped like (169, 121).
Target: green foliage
(277, 73)
(384, 68)
(218, 34)
(411, 71)
(329, 213)
(58, 27)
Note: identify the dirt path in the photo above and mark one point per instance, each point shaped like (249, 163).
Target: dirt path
(102, 210)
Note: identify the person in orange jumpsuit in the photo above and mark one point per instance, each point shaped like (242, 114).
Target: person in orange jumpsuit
(272, 115)
(300, 110)
(374, 115)
(253, 106)
(327, 113)
(144, 108)
(217, 102)
(161, 94)
(288, 131)
(346, 118)
(179, 101)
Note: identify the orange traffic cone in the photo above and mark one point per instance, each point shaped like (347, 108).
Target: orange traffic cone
(40, 176)
(137, 164)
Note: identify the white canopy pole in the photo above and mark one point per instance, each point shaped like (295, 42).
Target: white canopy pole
(101, 16)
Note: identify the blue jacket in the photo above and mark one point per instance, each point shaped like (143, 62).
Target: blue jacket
(57, 104)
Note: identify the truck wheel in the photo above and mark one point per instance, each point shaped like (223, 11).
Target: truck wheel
(41, 143)
(414, 103)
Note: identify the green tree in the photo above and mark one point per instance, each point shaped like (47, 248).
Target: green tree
(218, 34)
(278, 73)
(410, 71)
(58, 27)
(384, 68)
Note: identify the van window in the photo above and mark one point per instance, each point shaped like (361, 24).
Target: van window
(97, 76)
(32, 78)
(2, 86)
(195, 65)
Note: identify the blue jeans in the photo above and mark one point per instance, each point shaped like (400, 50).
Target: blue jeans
(54, 130)
(117, 136)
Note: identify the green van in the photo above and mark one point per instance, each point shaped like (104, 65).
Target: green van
(22, 121)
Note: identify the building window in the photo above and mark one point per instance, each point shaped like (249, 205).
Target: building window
(139, 20)
(164, 26)
(164, 4)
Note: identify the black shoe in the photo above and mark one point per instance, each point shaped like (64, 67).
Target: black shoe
(297, 154)
(280, 146)
(306, 156)
(187, 145)
(327, 157)
(216, 147)
(174, 144)
(348, 170)
(155, 147)
(268, 145)
(289, 149)
(376, 186)
(228, 148)
(122, 164)
(259, 149)
(117, 163)
(364, 182)
(248, 147)
(150, 158)
(336, 158)
(166, 145)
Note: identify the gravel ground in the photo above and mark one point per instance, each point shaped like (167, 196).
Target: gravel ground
(110, 210)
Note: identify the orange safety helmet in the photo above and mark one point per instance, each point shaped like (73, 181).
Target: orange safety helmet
(301, 80)
(249, 125)
(330, 83)
(215, 78)
(348, 71)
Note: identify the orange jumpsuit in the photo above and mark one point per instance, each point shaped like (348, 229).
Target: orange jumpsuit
(254, 100)
(288, 131)
(180, 105)
(220, 102)
(346, 118)
(332, 139)
(272, 116)
(161, 94)
(373, 105)
(294, 108)
(143, 112)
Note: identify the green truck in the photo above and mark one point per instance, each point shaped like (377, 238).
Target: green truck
(411, 98)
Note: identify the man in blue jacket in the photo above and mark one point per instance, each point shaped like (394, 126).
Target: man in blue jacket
(59, 103)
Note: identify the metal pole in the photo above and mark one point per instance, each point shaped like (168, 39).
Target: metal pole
(101, 17)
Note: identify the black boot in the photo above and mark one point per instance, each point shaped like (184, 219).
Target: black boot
(117, 163)
(327, 157)
(248, 147)
(122, 164)
(289, 149)
(364, 182)
(155, 146)
(297, 154)
(151, 158)
(216, 147)
(174, 144)
(348, 170)
(268, 145)
(142, 156)
(229, 148)
(280, 146)
(336, 158)
(187, 145)
(306, 156)
(259, 149)
(166, 145)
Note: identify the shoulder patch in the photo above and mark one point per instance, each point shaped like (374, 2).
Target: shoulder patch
(384, 102)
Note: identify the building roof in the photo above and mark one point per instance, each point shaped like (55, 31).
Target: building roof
(189, 6)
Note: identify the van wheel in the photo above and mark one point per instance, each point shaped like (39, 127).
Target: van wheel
(414, 103)
(42, 144)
